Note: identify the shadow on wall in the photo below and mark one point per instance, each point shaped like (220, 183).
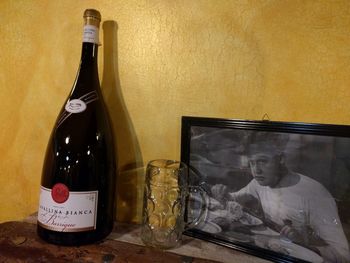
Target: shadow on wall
(130, 173)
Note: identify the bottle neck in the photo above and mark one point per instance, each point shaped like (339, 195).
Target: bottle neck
(89, 53)
(90, 43)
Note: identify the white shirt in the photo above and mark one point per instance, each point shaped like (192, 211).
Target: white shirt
(306, 203)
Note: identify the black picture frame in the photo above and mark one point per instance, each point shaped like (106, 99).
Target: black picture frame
(222, 152)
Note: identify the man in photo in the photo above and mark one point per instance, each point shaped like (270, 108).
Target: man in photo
(299, 208)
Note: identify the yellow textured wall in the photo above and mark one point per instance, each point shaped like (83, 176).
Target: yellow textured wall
(167, 58)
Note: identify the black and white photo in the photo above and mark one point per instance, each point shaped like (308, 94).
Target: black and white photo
(277, 190)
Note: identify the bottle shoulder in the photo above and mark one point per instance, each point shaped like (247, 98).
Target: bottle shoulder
(83, 127)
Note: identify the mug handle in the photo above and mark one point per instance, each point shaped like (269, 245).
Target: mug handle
(203, 209)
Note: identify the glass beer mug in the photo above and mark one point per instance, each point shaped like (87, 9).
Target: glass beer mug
(165, 196)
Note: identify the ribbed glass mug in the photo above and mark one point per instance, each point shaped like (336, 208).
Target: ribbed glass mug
(165, 195)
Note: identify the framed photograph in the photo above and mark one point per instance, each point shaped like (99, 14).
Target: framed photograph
(277, 190)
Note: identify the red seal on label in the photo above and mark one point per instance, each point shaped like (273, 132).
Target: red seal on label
(60, 193)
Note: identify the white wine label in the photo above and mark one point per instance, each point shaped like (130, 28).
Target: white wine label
(75, 106)
(90, 34)
(64, 211)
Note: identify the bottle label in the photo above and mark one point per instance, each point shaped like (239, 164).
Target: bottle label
(90, 34)
(65, 211)
(75, 106)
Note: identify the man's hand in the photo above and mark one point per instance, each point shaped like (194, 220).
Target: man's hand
(219, 192)
(290, 232)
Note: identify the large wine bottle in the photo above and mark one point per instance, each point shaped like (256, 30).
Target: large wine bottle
(78, 179)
